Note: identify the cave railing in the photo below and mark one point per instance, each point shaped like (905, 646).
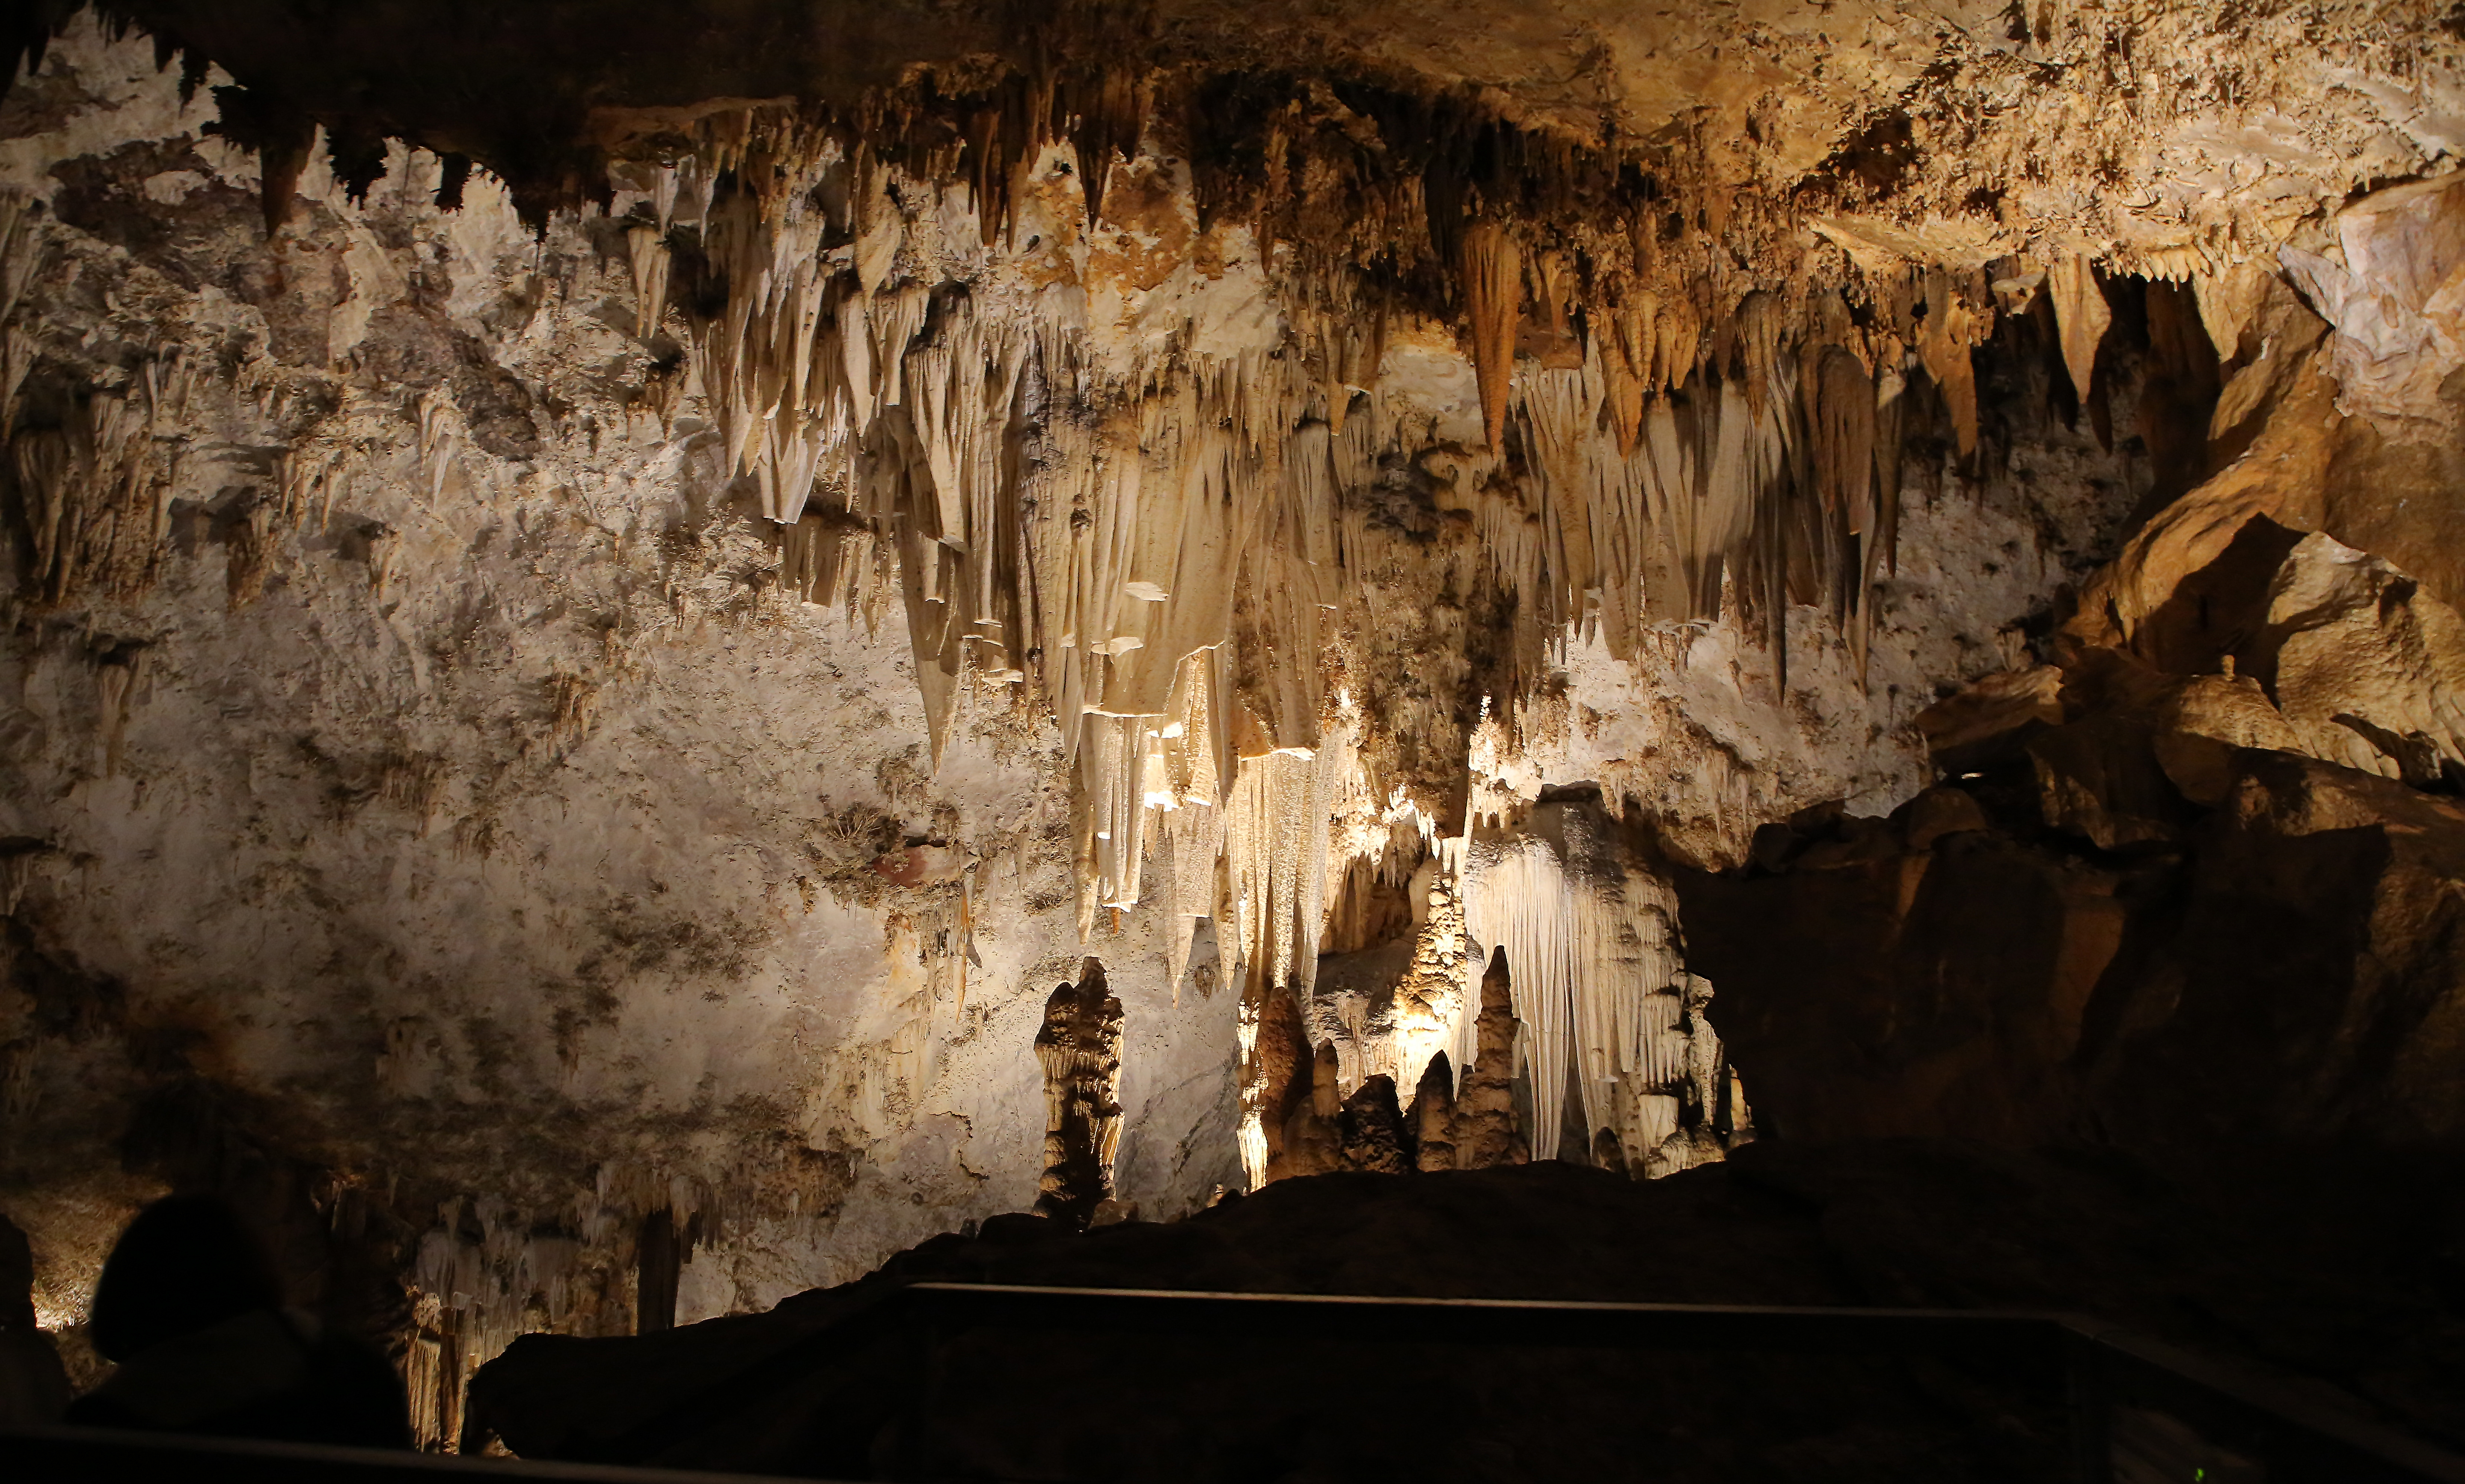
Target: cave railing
(2135, 1408)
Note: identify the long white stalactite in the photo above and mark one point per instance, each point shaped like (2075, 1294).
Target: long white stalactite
(1152, 528)
(1600, 984)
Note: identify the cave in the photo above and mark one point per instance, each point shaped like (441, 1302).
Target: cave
(1111, 740)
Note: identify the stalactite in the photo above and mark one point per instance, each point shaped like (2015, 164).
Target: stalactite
(2081, 315)
(1151, 538)
(1598, 984)
(1842, 412)
(1950, 328)
(649, 254)
(1889, 410)
(92, 489)
(1110, 123)
(1276, 830)
(1090, 527)
(1493, 292)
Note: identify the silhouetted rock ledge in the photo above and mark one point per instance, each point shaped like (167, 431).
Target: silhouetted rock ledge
(1906, 1222)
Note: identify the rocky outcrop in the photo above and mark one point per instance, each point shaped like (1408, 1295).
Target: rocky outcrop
(2191, 886)
(2132, 928)
(2296, 1269)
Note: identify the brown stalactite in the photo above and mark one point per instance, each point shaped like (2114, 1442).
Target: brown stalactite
(1493, 296)
(2081, 311)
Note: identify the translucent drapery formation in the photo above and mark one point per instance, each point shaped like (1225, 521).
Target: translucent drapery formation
(1599, 983)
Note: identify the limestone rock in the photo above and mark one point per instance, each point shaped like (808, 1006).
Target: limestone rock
(2100, 778)
(2291, 976)
(583, 648)
(2369, 668)
(2297, 1264)
(2397, 299)
(1993, 707)
(1937, 812)
(1943, 991)
(1373, 1129)
(2208, 719)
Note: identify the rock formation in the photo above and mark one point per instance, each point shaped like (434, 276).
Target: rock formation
(2158, 918)
(589, 619)
(799, 1389)
(1080, 1050)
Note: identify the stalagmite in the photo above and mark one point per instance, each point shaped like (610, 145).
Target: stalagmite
(1373, 1127)
(1081, 1051)
(1433, 1117)
(1484, 1129)
(1313, 1135)
(656, 1262)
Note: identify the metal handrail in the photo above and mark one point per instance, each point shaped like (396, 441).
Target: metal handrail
(2102, 1367)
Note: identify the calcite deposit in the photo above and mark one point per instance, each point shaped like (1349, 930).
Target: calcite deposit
(596, 614)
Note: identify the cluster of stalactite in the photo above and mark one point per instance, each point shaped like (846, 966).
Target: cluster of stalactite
(1685, 414)
(1643, 1086)
(1155, 539)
